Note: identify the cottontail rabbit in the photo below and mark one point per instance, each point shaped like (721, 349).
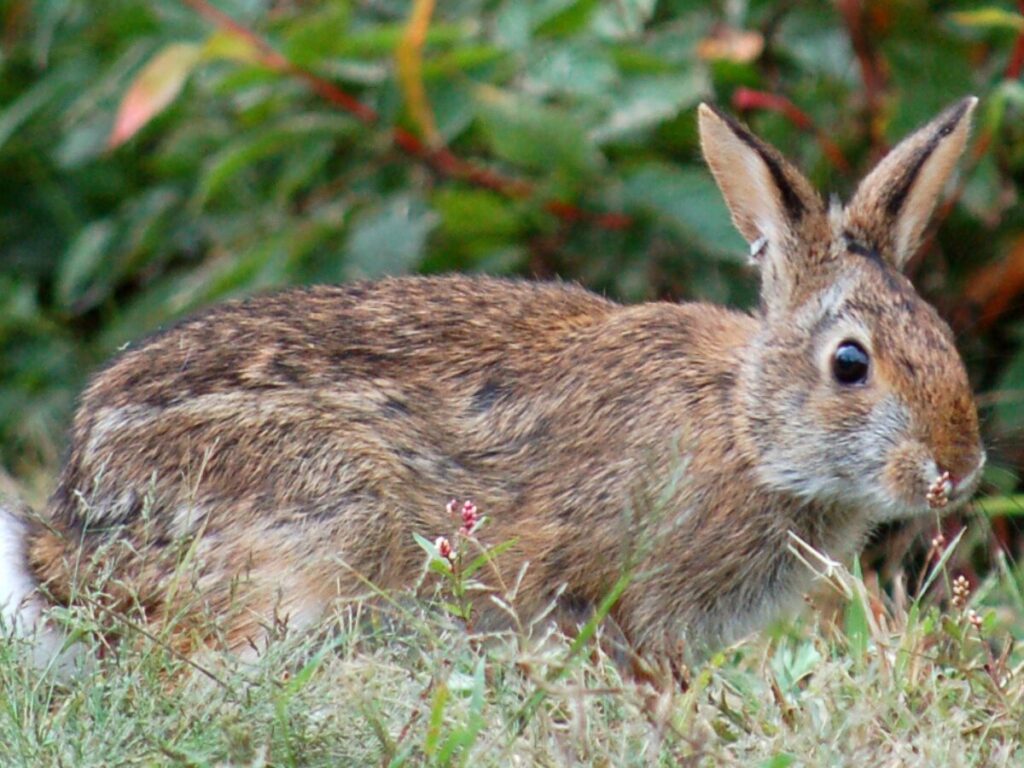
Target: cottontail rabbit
(298, 440)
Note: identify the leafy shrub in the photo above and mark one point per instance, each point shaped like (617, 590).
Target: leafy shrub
(158, 156)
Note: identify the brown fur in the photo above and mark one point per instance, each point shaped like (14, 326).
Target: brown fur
(290, 444)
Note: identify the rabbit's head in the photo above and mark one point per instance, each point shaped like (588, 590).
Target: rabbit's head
(853, 393)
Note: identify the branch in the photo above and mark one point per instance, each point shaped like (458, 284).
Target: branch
(442, 160)
(746, 99)
(409, 63)
(1016, 62)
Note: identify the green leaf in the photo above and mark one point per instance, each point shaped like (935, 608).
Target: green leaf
(687, 201)
(534, 136)
(425, 544)
(940, 566)
(318, 33)
(388, 239)
(83, 263)
(303, 165)
(441, 567)
(227, 45)
(84, 142)
(990, 17)
(998, 480)
(573, 69)
(623, 18)
(569, 20)
(302, 678)
(436, 563)
(382, 39)
(466, 58)
(648, 102)
(456, 610)
(486, 557)
(437, 706)
(224, 167)
(1001, 506)
(953, 629)
(452, 102)
(855, 619)
(794, 662)
(462, 739)
(517, 22)
(19, 111)
(820, 47)
(475, 214)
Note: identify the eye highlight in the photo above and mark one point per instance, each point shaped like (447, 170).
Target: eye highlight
(850, 363)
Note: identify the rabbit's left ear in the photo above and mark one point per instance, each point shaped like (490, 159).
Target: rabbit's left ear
(894, 203)
(772, 204)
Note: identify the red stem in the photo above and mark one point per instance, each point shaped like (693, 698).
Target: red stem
(1016, 63)
(745, 99)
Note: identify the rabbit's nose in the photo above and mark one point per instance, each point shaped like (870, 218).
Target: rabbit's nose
(965, 474)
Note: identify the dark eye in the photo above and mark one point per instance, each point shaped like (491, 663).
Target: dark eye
(850, 363)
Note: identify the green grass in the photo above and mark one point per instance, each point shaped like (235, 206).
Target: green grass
(858, 679)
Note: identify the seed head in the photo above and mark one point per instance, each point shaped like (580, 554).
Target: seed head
(961, 591)
(938, 491)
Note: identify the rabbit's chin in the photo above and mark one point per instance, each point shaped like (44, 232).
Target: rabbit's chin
(893, 510)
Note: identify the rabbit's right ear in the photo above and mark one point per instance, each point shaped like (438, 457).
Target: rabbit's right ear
(772, 205)
(892, 206)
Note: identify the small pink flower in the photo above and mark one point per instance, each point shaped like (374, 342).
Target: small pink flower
(444, 547)
(470, 518)
(468, 512)
(961, 591)
(975, 619)
(938, 491)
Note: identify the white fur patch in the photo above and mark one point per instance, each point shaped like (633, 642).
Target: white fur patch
(110, 421)
(185, 517)
(21, 608)
(18, 609)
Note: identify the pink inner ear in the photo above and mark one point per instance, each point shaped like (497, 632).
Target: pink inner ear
(742, 167)
(893, 205)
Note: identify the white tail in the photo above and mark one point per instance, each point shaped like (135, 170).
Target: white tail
(21, 606)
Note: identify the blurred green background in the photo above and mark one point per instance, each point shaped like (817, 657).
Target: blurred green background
(158, 156)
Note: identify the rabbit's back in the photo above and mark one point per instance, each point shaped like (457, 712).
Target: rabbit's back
(284, 396)
(319, 337)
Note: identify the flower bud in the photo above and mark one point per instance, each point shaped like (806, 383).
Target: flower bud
(444, 547)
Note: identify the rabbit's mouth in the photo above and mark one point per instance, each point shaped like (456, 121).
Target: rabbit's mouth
(919, 485)
(963, 488)
(945, 491)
